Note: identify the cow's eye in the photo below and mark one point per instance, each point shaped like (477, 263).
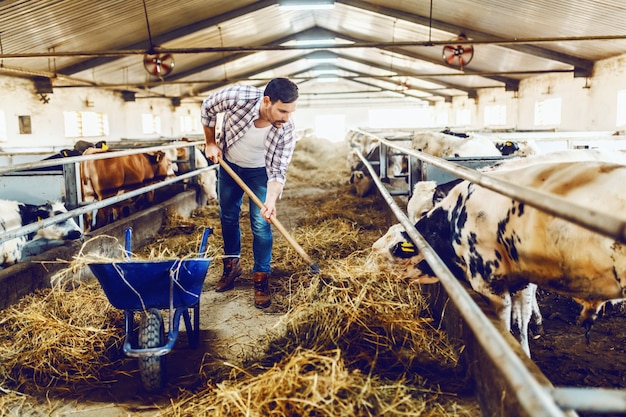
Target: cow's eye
(56, 213)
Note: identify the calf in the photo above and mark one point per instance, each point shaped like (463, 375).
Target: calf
(14, 215)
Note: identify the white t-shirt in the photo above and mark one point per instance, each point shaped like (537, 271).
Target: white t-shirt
(249, 151)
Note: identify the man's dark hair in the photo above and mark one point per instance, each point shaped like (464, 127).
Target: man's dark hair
(281, 89)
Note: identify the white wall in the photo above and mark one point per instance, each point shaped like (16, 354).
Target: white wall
(19, 98)
(584, 109)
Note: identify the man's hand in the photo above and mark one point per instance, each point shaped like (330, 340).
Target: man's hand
(213, 152)
(268, 212)
(274, 190)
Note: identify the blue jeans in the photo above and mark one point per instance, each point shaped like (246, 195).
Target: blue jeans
(230, 197)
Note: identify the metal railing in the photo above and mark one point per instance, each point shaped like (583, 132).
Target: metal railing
(536, 399)
(90, 207)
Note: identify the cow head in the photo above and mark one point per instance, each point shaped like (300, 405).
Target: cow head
(65, 230)
(507, 148)
(394, 252)
(162, 164)
(362, 183)
(14, 215)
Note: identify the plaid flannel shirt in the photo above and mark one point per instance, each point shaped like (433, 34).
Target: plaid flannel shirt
(240, 105)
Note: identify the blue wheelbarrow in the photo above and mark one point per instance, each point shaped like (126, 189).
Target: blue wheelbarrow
(147, 287)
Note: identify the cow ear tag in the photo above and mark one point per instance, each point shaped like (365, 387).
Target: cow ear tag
(105, 147)
(404, 250)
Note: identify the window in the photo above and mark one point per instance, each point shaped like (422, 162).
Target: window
(402, 117)
(463, 117)
(495, 115)
(26, 128)
(150, 124)
(85, 124)
(331, 127)
(189, 124)
(621, 108)
(548, 112)
(441, 118)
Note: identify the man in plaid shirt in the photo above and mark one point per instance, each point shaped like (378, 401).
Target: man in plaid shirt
(257, 142)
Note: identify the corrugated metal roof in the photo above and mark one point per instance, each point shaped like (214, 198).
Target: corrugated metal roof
(389, 46)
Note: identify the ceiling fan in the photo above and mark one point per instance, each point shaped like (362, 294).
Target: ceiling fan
(158, 65)
(458, 55)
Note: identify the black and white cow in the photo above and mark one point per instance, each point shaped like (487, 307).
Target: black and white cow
(517, 148)
(427, 193)
(500, 246)
(449, 146)
(14, 215)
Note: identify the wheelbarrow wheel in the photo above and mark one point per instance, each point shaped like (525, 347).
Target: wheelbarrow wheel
(151, 334)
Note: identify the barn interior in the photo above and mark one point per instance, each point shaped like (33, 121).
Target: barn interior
(436, 63)
(134, 74)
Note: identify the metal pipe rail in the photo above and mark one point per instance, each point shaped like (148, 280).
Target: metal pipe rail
(94, 206)
(537, 400)
(33, 227)
(603, 223)
(103, 155)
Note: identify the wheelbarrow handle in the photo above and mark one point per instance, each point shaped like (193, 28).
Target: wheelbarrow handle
(273, 218)
(128, 242)
(203, 243)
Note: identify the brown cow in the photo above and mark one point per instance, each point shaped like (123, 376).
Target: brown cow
(105, 178)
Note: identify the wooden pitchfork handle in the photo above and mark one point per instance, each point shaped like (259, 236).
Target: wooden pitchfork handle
(273, 218)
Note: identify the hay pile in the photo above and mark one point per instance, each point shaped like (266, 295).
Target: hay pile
(310, 383)
(350, 342)
(60, 339)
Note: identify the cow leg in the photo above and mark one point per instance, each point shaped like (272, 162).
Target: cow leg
(588, 315)
(522, 310)
(536, 319)
(503, 305)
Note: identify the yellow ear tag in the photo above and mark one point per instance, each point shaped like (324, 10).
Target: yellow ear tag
(408, 247)
(105, 147)
(39, 219)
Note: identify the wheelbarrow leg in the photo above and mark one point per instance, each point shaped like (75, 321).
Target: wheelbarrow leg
(193, 331)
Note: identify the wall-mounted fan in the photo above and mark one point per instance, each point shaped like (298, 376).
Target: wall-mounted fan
(458, 55)
(159, 65)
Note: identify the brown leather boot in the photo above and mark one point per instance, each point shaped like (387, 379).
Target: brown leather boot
(261, 291)
(232, 271)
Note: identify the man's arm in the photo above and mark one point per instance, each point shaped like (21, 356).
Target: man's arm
(211, 150)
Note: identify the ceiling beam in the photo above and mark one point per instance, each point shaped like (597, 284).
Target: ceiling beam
(425, 77)
(475, 36)
(361, 75)
(181, 31)
(510, 83)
